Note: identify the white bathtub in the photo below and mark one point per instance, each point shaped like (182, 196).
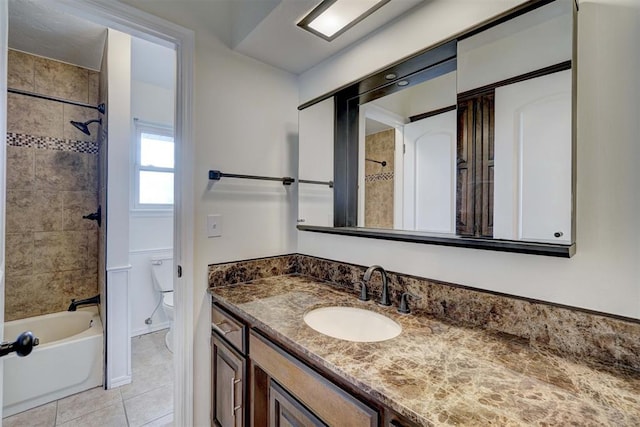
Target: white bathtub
(68, 360)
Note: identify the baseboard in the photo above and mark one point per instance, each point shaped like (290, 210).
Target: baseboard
(117, 382)
(151, 328)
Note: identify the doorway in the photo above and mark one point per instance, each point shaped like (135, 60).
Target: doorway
(128, 20)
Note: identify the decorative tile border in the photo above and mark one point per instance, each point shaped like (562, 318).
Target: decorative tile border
(604, 338)
(385, 176)
(49, 143)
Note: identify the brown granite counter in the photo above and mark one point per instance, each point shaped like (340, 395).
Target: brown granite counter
(438, 374)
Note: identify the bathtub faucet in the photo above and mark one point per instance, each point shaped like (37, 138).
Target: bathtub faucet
(88, 301)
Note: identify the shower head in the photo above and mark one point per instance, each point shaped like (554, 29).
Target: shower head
(83, 127)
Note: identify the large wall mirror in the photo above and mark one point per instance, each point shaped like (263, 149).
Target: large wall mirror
(469, 143)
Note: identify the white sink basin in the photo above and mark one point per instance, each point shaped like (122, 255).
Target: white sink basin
(352, 324)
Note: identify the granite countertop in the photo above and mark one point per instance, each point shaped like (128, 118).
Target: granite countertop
(435, 373)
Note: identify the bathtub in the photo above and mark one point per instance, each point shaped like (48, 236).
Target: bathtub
(68, 360)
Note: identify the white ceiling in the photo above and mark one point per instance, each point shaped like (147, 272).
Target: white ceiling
(278, 41)
(37, 27)
(263, 29)
(152, 63)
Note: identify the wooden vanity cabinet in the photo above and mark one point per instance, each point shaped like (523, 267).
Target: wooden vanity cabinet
(286, 411)
(256, 382)
(309, 392)
(228, 370)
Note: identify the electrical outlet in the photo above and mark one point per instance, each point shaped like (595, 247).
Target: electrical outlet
(214, 225)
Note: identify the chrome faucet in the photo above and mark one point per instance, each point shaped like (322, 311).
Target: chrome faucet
(384, 297)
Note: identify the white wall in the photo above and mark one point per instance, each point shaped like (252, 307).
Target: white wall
(151, 233)
(246, 123)
(117, 224)
(604, 274)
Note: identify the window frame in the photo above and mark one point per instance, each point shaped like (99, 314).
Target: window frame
(153, 129)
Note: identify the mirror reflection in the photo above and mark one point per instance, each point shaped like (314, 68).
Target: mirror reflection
(484, 151)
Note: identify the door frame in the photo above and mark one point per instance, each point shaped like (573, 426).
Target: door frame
(140, 24)
(4, 38)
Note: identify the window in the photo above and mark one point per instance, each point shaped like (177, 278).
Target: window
(154, 167)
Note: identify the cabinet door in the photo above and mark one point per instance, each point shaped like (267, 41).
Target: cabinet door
(475, 166)
(227, 385)
(286, 411)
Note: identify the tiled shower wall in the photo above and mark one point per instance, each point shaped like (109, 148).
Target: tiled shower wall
(379, 182)
(52, 181)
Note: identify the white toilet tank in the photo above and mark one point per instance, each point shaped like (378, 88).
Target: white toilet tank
(162, 273)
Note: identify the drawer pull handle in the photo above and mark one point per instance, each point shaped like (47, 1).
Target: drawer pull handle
(234, 408)
(218, 327)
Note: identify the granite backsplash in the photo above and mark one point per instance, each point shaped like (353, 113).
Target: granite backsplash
(596, 336)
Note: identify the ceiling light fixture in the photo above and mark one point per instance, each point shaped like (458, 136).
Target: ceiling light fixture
(402, 83)
(333, 17)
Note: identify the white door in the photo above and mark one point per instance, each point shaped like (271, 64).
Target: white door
(429, 174)
(532, 160)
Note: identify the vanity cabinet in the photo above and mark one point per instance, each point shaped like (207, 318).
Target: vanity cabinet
(256, 382)
(286, 411)
(316, 394)
(228, 370)
(228, 385)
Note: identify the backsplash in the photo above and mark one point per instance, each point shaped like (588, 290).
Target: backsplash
(576, 332)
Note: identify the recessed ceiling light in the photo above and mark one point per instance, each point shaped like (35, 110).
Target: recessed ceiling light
(390, 76)
(402, 83)
(333, 17)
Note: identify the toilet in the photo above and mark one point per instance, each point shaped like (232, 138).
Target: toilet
(162, 274)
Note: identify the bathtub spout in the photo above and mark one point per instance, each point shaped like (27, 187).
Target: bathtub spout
(88, 301)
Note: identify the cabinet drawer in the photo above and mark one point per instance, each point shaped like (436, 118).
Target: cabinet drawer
(228, 327)
(330, 403)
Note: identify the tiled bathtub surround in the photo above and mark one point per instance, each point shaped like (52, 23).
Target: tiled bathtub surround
(51, 183)
(379, 180)
(599, 337)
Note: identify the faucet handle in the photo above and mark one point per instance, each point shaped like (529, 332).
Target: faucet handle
(404, 304)
(364, 292)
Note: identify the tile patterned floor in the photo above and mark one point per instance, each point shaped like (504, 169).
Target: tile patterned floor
(146, 402)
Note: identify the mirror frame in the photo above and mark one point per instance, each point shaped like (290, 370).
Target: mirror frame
(429, 63)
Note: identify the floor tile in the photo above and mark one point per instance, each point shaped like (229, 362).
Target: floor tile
(41, 416)
(86, 402)
(111, 416)
(149, 406)
(166, 421)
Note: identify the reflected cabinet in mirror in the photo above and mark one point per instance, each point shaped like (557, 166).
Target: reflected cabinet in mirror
(469, 143)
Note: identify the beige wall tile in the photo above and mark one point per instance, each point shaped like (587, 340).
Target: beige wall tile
(20, 168)
(33, 295)
(33, 116)
(92, 173)
(47, 211)
(19, 252)
(33, 211)
(60, 251)
(92, 251)
(94, 88)
(78, 284)
(79, 114)
(61, 170)
(61, 80)
(20, 70)
(20, 216)
(76, 204)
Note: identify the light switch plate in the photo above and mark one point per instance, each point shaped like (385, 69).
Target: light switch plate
(214, 225)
